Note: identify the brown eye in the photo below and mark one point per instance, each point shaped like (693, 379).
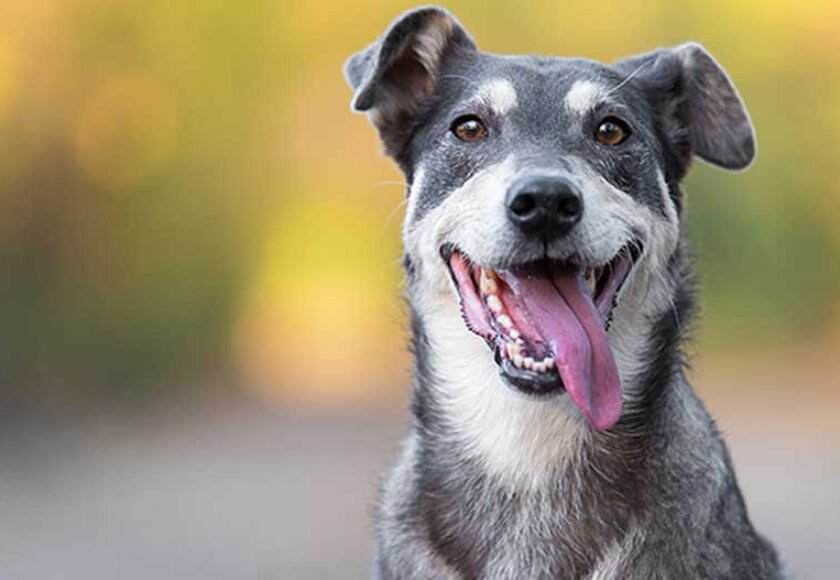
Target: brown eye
(612, 131)
(469, 128)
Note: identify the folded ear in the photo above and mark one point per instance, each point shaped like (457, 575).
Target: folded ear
(699, 101)
(394, 75)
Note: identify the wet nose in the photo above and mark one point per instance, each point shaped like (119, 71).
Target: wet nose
(545, 206)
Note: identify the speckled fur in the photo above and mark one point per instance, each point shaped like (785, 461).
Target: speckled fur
(489, 484)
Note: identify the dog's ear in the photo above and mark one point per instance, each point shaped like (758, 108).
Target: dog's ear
(703, 112)
(394, 75)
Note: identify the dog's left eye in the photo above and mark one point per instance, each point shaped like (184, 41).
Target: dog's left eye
(469, 128)
(612, 131)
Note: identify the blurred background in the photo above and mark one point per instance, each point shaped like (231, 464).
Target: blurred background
(202, 370)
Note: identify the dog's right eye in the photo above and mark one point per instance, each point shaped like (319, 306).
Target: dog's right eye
(612, 131)
(469, 128)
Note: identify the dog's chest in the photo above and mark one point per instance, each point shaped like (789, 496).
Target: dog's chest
(490, 532)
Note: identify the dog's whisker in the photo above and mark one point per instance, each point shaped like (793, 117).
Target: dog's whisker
(627, 79)
(379, 184)
(396, 208)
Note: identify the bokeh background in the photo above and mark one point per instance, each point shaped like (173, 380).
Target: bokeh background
(202, 368)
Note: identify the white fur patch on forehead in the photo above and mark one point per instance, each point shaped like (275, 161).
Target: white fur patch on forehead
(499, 95)
(584, 95)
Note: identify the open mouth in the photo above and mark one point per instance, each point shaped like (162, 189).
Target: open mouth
(547, 323)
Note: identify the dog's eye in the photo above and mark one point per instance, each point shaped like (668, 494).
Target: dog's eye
(612, 131)
(469, 128)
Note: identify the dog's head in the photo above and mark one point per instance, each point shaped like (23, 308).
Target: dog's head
(544, 192)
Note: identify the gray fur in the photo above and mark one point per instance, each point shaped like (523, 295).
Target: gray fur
(654, 497)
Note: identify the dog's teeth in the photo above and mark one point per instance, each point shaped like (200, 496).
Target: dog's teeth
(514, 334)
(505, 321)
(548, 362)
(590, 282)
(488, 282)
(494, 304)
(517, 360)
(513, 349)
(539, 367)
(528, 363)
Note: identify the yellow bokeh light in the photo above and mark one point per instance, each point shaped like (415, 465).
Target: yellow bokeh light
(322, 321)
(8, 73)
(126, 131)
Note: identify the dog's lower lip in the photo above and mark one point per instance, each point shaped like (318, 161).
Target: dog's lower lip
(529, 382)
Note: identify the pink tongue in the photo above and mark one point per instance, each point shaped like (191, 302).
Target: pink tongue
(561, 308)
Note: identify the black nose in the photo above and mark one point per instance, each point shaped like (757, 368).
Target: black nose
(546, 206)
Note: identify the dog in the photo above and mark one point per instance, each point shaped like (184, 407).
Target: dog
(554, 432)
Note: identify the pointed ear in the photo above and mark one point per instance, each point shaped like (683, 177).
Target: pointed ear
(394, 75)
(699, 101)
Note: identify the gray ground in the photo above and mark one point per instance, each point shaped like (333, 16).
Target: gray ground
(238, 490)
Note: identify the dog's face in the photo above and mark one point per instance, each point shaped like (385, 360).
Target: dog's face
(544, 193)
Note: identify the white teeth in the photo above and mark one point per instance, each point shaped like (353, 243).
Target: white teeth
(513, 349)
(494, 304)
(487, 282)
(590, 281)
(515, 354)
(489, 287)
